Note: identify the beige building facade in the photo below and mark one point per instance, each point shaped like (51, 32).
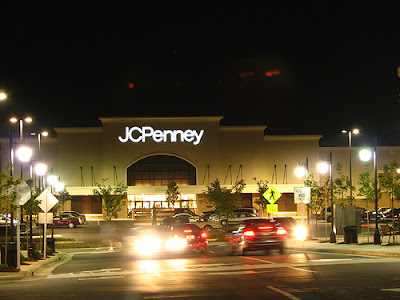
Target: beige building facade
(147, 153)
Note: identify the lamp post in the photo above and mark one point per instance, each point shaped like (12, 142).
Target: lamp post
(21, 121)
(40, 170)
(3, 96)
(355, 131)
(302, 171)
(365, 155)
(323, 168)
(24, 154)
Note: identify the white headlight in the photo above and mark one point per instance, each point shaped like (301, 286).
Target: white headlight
(148, 245)
(300, 232)
(175, 243)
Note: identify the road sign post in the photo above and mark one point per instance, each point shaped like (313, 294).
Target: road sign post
(302, 195)
(47, 202)
(272, 195)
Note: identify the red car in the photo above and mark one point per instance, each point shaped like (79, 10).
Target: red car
(258, 234)
(65, 220)
(196, 238)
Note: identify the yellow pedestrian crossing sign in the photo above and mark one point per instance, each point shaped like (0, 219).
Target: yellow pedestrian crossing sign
(272, 194)
(272, 208)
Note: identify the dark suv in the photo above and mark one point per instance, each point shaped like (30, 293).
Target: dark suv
(257, 234)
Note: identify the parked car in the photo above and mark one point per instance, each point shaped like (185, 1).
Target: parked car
(76, 214)
(65, 220)
(390, 214)
(250, 210)
(257, 234)
(326, 211)
(182, 218)
(236, 217)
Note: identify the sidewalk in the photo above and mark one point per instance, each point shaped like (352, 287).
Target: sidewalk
(392, 250)
(33, 267)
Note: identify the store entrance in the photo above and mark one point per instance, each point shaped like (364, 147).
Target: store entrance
(144, 203)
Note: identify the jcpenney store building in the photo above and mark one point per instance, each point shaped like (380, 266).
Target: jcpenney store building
(147, 153)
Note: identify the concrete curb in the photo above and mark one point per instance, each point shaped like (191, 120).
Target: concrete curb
(343, 251)
(34, 268)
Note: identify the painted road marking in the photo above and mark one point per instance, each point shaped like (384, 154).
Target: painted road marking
(104, 277)
(397, 290)
(303, 270)
(253, 258)
(239, 272)
(283, 293)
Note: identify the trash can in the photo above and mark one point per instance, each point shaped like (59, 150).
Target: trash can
(350, 234)
(51, 243)
(11, 255)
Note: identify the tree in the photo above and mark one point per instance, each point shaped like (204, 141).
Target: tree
(367, 190)
(172, 193)
(262, 187)
(62, 196)
(111, 197)
(222, 198)
(320, 191)
(367, 187)
(390, 183)
(8, 195)
(341, 187)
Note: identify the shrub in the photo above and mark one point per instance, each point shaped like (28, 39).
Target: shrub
(37, 254)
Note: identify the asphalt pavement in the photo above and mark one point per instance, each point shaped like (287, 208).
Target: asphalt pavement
(297, 274)
(310, 269)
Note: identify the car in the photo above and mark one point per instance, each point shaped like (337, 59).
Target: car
(177, 239)
(196, 238)
(327, 211)
(76, 214)
(391, 214)
(286, 222)
(250, 210)
(236, 217)
(181, 218)
(65, 220)
(257, 234)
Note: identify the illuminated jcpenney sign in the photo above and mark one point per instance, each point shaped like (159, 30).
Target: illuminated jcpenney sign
(189, 135)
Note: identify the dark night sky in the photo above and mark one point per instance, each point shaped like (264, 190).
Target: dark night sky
(68, 65)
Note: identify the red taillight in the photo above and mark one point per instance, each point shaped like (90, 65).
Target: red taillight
(249, 233)
(281, 231)
(187, 231)
(265, 227)
(203, 235)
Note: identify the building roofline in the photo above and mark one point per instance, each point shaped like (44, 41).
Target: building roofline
(292, 137)
(165, 119)
(78, 129)
(244, 128)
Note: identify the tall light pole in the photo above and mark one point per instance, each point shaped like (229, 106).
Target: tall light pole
(302, 171)
(24, 154)
(3, 96)
(355, 131)
(365, 155)
(21, 138)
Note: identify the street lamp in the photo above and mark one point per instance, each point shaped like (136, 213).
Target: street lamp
(24, 154)
(323, 168)
(21, 125)
(355, 131)
(3, 96)
(365, 155)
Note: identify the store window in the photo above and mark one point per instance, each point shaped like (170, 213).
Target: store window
(160, 170)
